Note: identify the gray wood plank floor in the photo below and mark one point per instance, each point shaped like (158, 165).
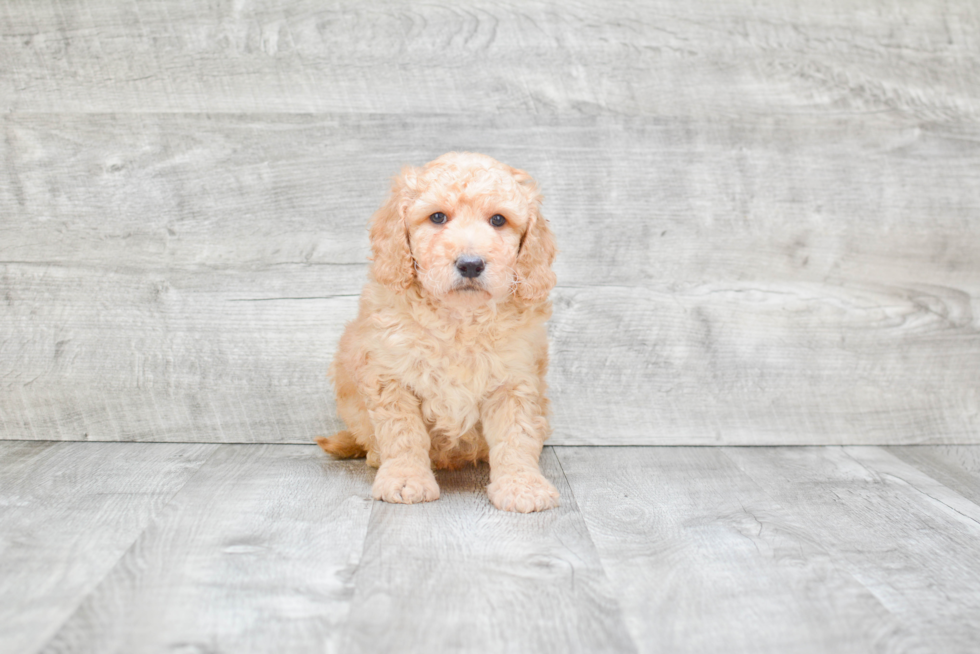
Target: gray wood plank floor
(150, 547)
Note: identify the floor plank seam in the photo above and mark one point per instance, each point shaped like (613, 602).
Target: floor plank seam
(842, 564)
(122, 555)
(883, 474)
(588, 531)
(345, 640)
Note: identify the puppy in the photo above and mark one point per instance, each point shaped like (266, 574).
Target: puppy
(445, 363)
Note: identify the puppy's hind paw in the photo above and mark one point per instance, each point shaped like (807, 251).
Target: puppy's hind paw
(403, 485)
(523, 493)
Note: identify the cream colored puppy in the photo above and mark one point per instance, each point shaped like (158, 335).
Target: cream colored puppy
(445, 363)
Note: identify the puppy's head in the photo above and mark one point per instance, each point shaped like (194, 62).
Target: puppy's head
(467, 229)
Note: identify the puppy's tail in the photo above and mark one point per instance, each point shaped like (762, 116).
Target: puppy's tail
(342, 445)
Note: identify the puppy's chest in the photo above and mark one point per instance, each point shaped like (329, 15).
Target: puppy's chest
(470, 365)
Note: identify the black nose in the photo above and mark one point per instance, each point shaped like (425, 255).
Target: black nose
(470, 266)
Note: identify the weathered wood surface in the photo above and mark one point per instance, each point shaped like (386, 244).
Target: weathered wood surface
(767, 216)
(143, 547)
(671, 325)
(905, 537)
(955, 466)
(163, 355)
(634, 58)
(703, 560)
(254, 554)
(457, 575)
(68, 513)
(240, 357)
(664, 202)
(781, 549)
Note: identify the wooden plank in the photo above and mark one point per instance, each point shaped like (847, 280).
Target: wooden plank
(912, 547)
(703, 560)
(899, 471)
(189, 190)
(765, 364)
(240, 356)
(458, 575)
(70, 511)
(678, 202)
(255, 554)
(163, 355)
(956, 467)
(629, 58)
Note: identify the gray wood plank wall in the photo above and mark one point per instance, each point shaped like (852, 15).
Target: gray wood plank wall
(768, 213)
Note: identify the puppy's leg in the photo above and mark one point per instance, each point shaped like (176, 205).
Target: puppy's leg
(515, 429)
(354, 441)
(405, 475)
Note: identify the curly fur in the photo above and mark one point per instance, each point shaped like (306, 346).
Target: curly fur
(439, 370)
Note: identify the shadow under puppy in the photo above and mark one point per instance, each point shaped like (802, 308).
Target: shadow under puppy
(445, 363)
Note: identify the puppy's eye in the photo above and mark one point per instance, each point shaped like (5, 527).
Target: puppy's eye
(497, 220)
(438, 218)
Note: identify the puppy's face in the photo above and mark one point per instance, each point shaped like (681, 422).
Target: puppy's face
(467, 229)
(464, 230)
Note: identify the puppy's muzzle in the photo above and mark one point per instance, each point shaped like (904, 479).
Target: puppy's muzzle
(470, 267)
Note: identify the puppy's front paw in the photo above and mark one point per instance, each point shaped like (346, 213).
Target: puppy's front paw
(523, 493)
(405, 485)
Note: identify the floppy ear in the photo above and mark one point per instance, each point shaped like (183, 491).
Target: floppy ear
(393, 263)
(535, 279)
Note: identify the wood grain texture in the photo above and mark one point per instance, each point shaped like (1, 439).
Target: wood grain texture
(899, 471)
(804, 364)
(704, 560)
(255, 554)
(236, 357)
(777, 280)
(144, 547)
(220, 356)
(632, 58)
(664, 202)
(955, 466)
(69, 513)
(885, 524)
(459, 575)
